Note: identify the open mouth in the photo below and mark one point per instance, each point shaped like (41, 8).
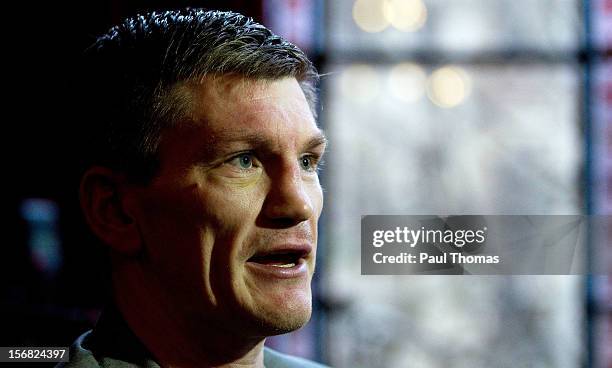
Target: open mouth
(282, 259)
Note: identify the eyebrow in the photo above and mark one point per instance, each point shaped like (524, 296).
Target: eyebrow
(225, 140)
(317, 140)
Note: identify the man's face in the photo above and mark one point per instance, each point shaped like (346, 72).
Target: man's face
(230, 222)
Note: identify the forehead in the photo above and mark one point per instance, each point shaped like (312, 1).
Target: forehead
(226, 104)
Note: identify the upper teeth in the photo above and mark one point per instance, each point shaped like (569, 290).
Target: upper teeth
(286, 265)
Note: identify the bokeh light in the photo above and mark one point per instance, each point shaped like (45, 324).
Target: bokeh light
(369, 15)
(405, 15)
(448, 86)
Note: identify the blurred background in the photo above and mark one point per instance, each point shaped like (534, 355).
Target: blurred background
(431, 107)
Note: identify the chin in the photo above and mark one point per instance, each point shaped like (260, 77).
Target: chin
(280, 318)
(282, 323)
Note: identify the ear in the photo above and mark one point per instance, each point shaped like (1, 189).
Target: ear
(102, 195)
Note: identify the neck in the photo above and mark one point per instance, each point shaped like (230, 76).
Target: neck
(176, 338)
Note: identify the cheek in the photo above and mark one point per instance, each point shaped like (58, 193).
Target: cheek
(171, 215)
(176, 237)
(232, 206)
(232, 212)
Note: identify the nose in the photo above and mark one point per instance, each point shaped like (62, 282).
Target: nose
(287, 202)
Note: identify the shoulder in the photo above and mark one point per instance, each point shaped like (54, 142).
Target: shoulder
(274, 359)
(79, 356)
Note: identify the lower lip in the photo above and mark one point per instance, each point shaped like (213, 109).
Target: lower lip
(297, 271)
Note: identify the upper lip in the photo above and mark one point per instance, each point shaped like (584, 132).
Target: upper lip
(300, 250)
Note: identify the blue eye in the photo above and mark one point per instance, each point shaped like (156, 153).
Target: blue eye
(246, 162)
(308, 163)
(243, 161)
